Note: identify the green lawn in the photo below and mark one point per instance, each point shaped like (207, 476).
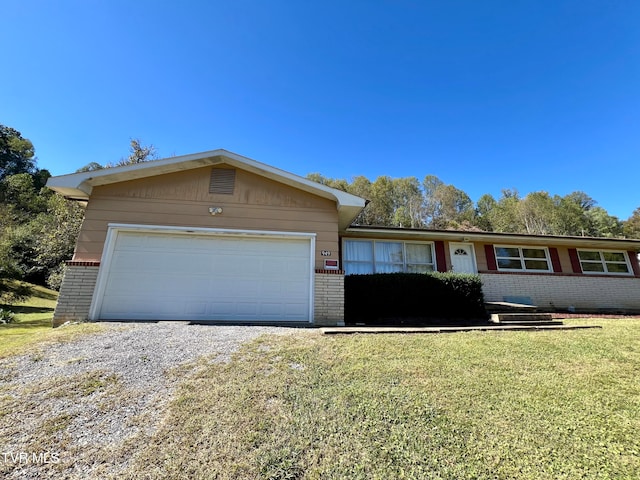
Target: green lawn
(480, 405)
(32, 325)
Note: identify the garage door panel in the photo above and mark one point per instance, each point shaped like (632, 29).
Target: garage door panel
(207, 277)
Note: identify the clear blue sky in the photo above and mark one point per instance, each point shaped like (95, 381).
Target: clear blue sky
(531, 95)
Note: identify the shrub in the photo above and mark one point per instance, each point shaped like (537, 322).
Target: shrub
(6, 316)
(404, 298)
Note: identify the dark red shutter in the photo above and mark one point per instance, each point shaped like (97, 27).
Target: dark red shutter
(633, 258)
(555, 260)
(575, 261)
(441, 258)
(491, 257)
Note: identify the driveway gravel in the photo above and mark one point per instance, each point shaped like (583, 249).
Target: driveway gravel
(86, 401)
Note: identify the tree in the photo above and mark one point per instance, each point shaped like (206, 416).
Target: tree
(445, 206)
(16, 153)
(484, 207)
(90, 167)
(138, 153)
(571, 217)
(408, 200)
(57, 230)
(631, 227)
(602, 224)
(503, 217)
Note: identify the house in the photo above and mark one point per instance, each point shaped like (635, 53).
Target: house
(216, 236)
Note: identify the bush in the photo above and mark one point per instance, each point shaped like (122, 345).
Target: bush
(413, 298)
(6, 316)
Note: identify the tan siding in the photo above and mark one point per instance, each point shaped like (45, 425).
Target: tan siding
(183, 199)
(481, 256)
(565, 261)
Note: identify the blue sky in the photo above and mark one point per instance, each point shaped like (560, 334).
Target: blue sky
(487, 95)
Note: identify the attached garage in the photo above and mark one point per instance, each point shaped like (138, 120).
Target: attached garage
(165, 273)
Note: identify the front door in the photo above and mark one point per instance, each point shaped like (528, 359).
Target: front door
(462, 258)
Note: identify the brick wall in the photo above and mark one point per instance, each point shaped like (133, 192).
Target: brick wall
(559, 292)
(329, 298)
(76, 292)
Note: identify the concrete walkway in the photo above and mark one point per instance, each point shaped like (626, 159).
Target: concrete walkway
(475, 328)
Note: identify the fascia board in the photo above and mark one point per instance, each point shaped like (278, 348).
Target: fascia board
(580, 242)
(79, 185)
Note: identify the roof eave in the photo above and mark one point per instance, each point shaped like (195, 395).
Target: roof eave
(489, 237)
(80, 185)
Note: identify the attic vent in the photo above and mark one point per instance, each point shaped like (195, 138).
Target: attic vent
(223, 180)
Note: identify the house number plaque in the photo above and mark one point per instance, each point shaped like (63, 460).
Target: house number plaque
(325, 253)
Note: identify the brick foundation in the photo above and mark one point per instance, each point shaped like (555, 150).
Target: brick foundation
(559, 292)
(76, 292)
(329, 298)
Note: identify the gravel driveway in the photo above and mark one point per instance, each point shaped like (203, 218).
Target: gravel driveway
(83, 402)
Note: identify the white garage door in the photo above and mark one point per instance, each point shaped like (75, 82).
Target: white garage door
(172, 276)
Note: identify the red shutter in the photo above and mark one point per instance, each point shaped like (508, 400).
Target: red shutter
(555, 260)
(441, 258)
(491, 257)
(575, 261)
(633, 258)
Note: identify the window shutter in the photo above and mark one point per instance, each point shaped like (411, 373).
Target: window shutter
(575, 261)
(555, 260)
(223, 181)
(441, 258)
(633, 258)
(491, 257)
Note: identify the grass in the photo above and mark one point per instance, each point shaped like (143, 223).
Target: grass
(32, 324)
(480, 405)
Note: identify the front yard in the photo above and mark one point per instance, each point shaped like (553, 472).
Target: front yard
(479, 405)
(32, 323)
(529, 405)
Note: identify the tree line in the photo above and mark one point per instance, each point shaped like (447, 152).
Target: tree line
(38, 228)
(433, 204)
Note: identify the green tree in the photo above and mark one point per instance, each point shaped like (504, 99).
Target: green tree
(58, 231)
(536, 213)
(408, 203)
(445, 206)
(484, 208)
(90, 167)
(602, 224)
(631, 227)
(16, 153)
(504, 217)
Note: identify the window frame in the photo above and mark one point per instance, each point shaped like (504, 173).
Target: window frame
(373, 242)
(522, 258)
(603, 262)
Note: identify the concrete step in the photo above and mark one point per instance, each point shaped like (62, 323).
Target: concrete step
(518, 318)
(509, 307)
(531, 323)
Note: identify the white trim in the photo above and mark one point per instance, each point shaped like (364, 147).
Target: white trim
(522, 258)
(115, 228)
(473, 254)
(603, 262)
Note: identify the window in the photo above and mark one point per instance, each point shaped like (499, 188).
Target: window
(377, 256)
(522, 258)
(595, 261)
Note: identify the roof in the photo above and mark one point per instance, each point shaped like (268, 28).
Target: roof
(370, 231)
(78, 186)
